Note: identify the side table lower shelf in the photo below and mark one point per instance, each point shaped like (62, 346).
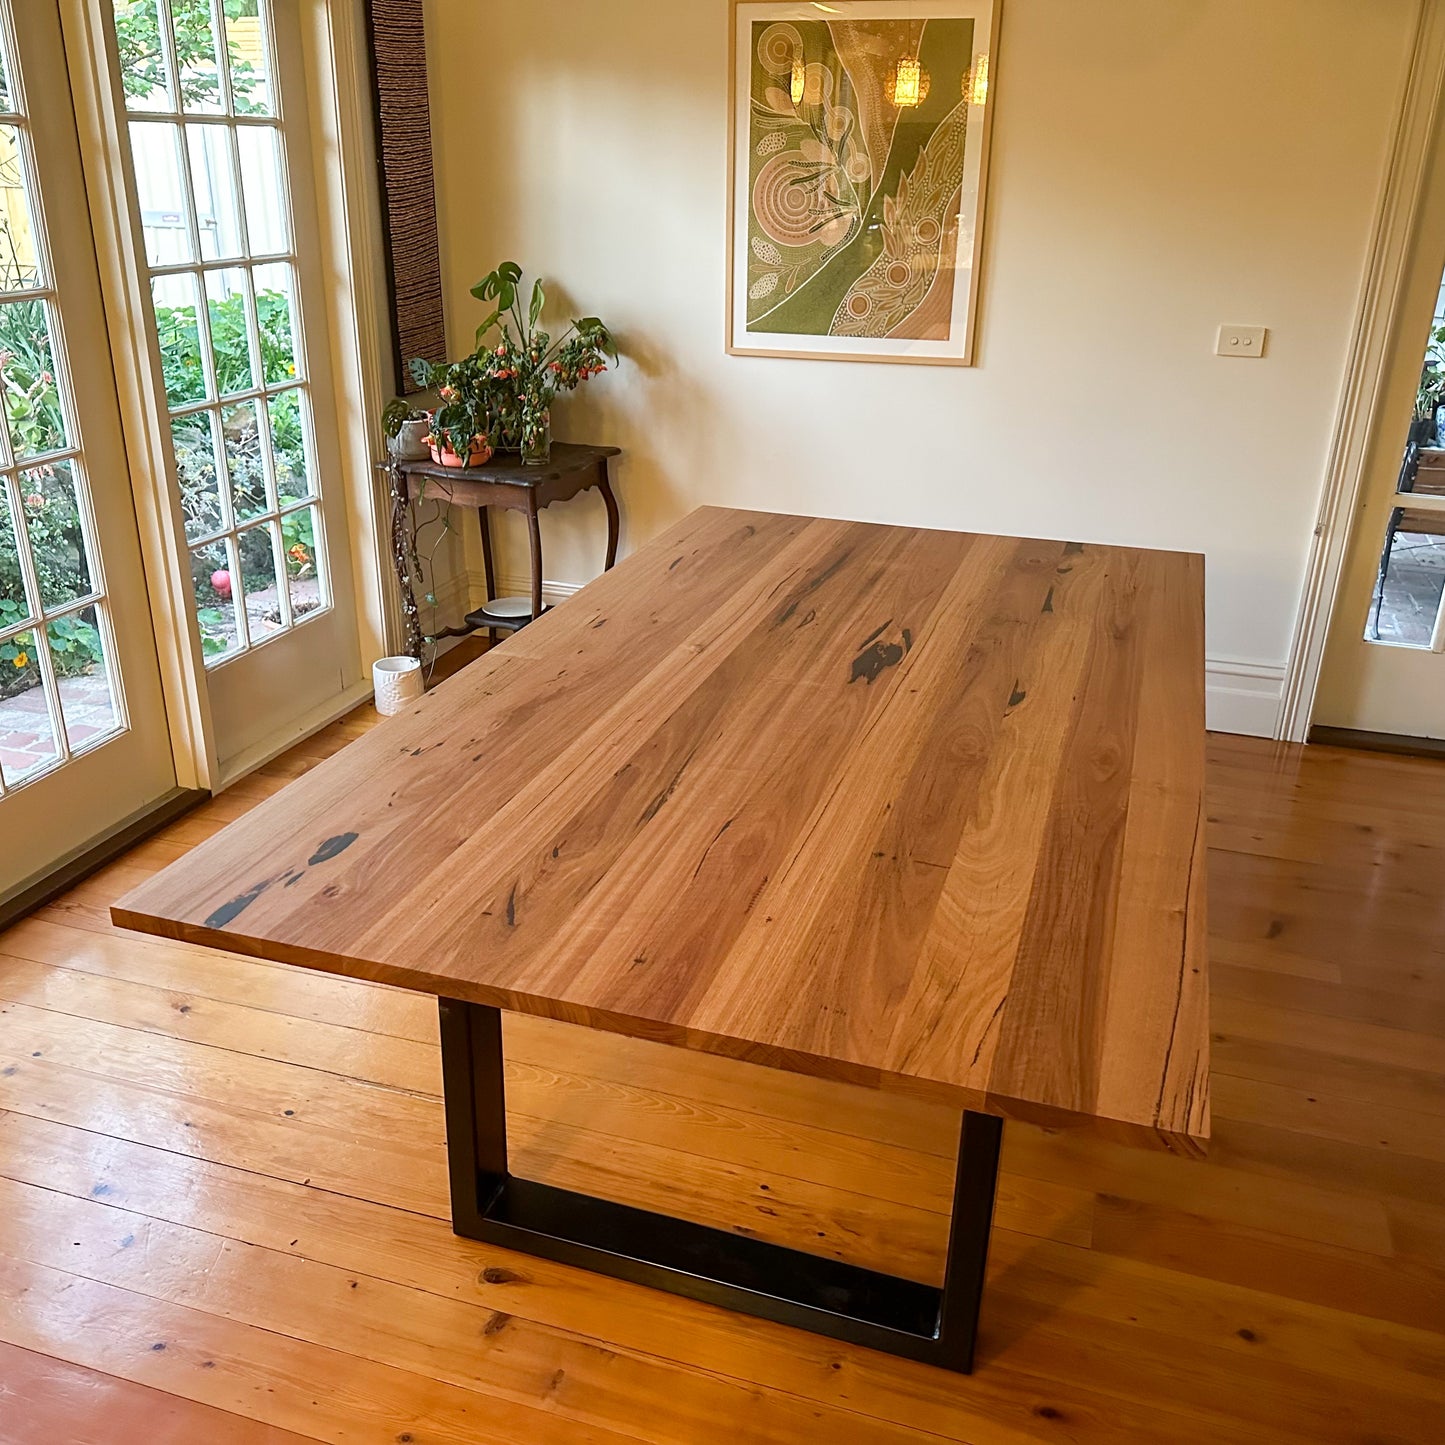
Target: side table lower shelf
(510, 486)
(502, 614)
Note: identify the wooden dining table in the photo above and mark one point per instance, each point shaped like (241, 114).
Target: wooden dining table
(910, 809)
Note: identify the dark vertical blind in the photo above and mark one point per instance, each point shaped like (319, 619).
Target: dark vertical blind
(408, 193)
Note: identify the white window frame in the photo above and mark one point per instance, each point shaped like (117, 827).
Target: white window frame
(38, 624)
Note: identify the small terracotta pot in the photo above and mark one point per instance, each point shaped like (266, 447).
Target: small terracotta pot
(479, 456)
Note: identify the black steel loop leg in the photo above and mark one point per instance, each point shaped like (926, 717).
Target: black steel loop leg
(476, 1109)
(862, 1306)
(974, 1185)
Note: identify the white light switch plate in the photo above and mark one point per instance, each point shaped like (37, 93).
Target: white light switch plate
(1241, 341)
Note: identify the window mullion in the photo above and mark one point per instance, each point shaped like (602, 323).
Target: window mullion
(223, 468)
(233, 153)
(268, 456)
(283, 589)
(30, 579)
(51, 683)
(223, 59)
(169, 53)
(238, 593)
(188, 196)
(253, 335)
(204, 339)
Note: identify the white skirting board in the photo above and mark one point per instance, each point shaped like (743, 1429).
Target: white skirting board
(552, 592)
(1243, 694)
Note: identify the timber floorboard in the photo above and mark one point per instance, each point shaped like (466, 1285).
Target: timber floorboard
(223, 1211)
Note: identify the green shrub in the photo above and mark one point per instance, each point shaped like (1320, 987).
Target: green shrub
(52, 519)
(137, 34)
(33, 410)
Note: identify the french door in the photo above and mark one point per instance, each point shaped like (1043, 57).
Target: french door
(1384, 667)
(213, 120)
(84, 744)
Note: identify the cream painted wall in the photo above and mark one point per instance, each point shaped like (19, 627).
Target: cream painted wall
(1159, 167)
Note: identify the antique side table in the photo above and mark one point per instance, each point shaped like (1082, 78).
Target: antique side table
(507, 484)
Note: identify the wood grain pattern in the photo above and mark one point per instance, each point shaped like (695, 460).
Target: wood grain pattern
(44, 1401)
(910, 809)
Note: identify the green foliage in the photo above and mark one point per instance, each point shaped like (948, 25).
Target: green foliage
(19, 671)
(184, 382)
(180, 341)
(213, 631)
(397, 413)
(504, 390)
(229, 343)
(74, 644)
(27, 377)
(142, 63)
(75, 649)
(468, 403)
(297, 537)
(1431, 394)
(278, 351)
(52, 519)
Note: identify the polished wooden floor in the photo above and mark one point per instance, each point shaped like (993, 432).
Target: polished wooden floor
(223, 1199)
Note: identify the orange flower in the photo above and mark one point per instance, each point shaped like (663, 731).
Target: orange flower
(22, 659)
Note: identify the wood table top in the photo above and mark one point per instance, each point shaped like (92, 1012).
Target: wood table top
(913, 809)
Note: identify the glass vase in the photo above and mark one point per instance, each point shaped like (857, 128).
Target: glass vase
(537, 439)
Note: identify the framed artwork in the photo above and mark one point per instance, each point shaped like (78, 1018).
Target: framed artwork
(859, 145)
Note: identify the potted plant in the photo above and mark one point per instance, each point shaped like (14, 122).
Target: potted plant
(406, 430)
(1431, 393)
(525, 368)
(502, 394)
(462, 424)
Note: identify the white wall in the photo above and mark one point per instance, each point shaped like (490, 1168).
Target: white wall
(1159, 167)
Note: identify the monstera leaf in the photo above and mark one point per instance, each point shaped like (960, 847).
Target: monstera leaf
(499, 286)
(423, 372)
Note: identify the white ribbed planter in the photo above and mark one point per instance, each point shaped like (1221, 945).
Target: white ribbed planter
(398, 683)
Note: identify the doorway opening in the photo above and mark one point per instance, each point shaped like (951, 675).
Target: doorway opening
(1408, 606)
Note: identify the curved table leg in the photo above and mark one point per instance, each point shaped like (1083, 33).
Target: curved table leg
(484, 521)
(534, 534)
(613, 522)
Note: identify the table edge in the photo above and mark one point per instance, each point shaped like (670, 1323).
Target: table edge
(1131, 1132)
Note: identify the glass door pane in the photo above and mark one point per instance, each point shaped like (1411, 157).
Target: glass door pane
(85, 744)
(1408, 606)
(208, 145)
(60, 694)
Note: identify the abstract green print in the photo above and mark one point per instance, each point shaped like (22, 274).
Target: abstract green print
(854, 189)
